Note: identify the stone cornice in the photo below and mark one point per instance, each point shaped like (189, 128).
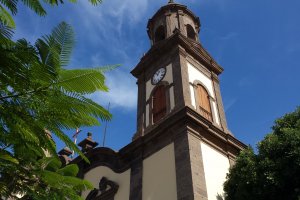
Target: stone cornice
(183, 121)
(181, 43)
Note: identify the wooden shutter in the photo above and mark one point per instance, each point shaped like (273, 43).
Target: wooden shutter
(159, 106)
(204, 103)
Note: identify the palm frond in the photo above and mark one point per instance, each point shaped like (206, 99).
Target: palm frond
(106, 68)
(95, 2)
(6, 33)
(83, 81)
(69, 170)
(11, 5)
(36, 6)
(6, 18)
(56, 2)
(6, 156)
(49, 54)
(64, 37)
(49, 163)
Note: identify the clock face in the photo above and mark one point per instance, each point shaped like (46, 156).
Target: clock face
(159, 75)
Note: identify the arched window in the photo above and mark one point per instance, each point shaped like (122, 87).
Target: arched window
(203, 102)
(160, 33)
(190, 32)
(159, 105)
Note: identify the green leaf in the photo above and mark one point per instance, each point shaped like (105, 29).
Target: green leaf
(83, 81)
(50, 163)
(95, 2)
(64, 37)
(36, 6)
(69, 170)
(6, 18)
(5, 155)
(11, 5)
(52, 178)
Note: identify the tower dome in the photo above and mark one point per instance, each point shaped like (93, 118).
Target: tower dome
(170, 18)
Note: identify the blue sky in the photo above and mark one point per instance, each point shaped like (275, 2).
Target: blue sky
(256, 42)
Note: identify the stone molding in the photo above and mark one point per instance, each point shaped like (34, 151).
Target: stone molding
(107, 190)
(183, 45)
(159, 136)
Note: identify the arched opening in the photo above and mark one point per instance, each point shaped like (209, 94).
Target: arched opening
(160, 34)
(204, 102)
(159, 103)
(190, 32)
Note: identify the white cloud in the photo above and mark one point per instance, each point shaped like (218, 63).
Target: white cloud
(104, 28)
(122, 91)
(110, 17)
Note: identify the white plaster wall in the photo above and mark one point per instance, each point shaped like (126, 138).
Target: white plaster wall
(169, 75)
(197, 75)
(216, 166)
(149, 88)
(159, 175)
(216, 112)
(192, 91)
(123, 180)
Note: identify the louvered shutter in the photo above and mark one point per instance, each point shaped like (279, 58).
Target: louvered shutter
(204, 103)
(159, 106)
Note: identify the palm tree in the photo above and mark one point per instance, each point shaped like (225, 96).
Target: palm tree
(38, 93)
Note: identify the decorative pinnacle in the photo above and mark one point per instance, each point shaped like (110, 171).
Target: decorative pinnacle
(171, 1)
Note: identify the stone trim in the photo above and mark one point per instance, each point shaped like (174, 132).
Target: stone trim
(197, 166)
(174, 42)
(159, 136)
(107, 190)
(141, 106)
(136, 180)
(165, 9)
(185, 81)
(220, 107)
(184, 179)
(102, 156)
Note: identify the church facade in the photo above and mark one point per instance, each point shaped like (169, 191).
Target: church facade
(182, 148)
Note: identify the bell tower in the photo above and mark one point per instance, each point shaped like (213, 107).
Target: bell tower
(177, 72)
(182, 149)
(180, 104)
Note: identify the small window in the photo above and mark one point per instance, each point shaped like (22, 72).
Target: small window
(160, 33)
(159, 106)
(204, 102)
(190, 32)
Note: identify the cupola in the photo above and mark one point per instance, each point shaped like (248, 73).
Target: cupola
(170, 18)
